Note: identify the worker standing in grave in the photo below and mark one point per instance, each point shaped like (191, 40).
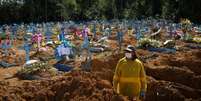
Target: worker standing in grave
(130, 78)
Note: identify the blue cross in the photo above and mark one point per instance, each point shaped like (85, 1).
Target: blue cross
(120, 38)
(120, 35)
(14, 32)
(5, 47)
(27, 49)
(48, 33)
(62, 36)
(85, 44)
(138, 35)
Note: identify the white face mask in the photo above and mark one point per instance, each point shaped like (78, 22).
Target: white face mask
(128, 55)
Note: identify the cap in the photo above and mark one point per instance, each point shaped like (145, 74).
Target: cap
(130, 48)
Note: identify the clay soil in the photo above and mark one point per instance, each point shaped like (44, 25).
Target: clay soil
(171, 77)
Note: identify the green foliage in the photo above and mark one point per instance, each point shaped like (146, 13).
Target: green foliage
(59, 10)
(148, 43)
(37, 68)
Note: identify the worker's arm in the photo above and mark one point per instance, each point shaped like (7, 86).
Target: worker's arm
(143, 79)
(116, 76)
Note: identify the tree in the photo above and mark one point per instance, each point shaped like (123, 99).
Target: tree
(59, 10)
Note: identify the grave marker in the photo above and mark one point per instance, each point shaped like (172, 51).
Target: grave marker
(27, 50)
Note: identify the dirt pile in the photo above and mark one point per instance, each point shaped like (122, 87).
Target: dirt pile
(169, 81)
(170, 91)
(42, 55)
(105, 67)
(80, 86)
(171, 77)
(12, 56)
(75, 86)
(181, 71)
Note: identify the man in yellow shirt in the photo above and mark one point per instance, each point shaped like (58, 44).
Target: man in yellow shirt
(130, 78)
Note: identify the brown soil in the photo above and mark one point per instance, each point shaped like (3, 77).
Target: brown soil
(171, 77)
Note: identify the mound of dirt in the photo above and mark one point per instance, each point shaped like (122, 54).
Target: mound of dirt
(12, 56)
(42, 55)
(76, 86)
(79, 86)
(171, 77)
(187, 60)
(177, 75)
(169, 91)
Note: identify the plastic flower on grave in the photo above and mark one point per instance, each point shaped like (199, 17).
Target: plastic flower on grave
(35, 68)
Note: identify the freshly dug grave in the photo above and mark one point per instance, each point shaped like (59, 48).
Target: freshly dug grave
(81, 86)
(75, 86)
(176, 68)
(190, 60)
(183, 81)
(169, 91)
(169, 79)
(175, 74)
(181, 69)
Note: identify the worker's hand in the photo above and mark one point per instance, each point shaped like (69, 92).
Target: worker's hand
(142, 95)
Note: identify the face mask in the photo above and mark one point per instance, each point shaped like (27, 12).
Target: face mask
(128, 55)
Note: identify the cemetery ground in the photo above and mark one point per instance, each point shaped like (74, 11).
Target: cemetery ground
(171, 77)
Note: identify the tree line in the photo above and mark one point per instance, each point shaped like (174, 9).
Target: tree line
(60, 10)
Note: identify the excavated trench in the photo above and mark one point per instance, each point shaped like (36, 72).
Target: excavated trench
(167, 81)
(182, 70)
(171, 80)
